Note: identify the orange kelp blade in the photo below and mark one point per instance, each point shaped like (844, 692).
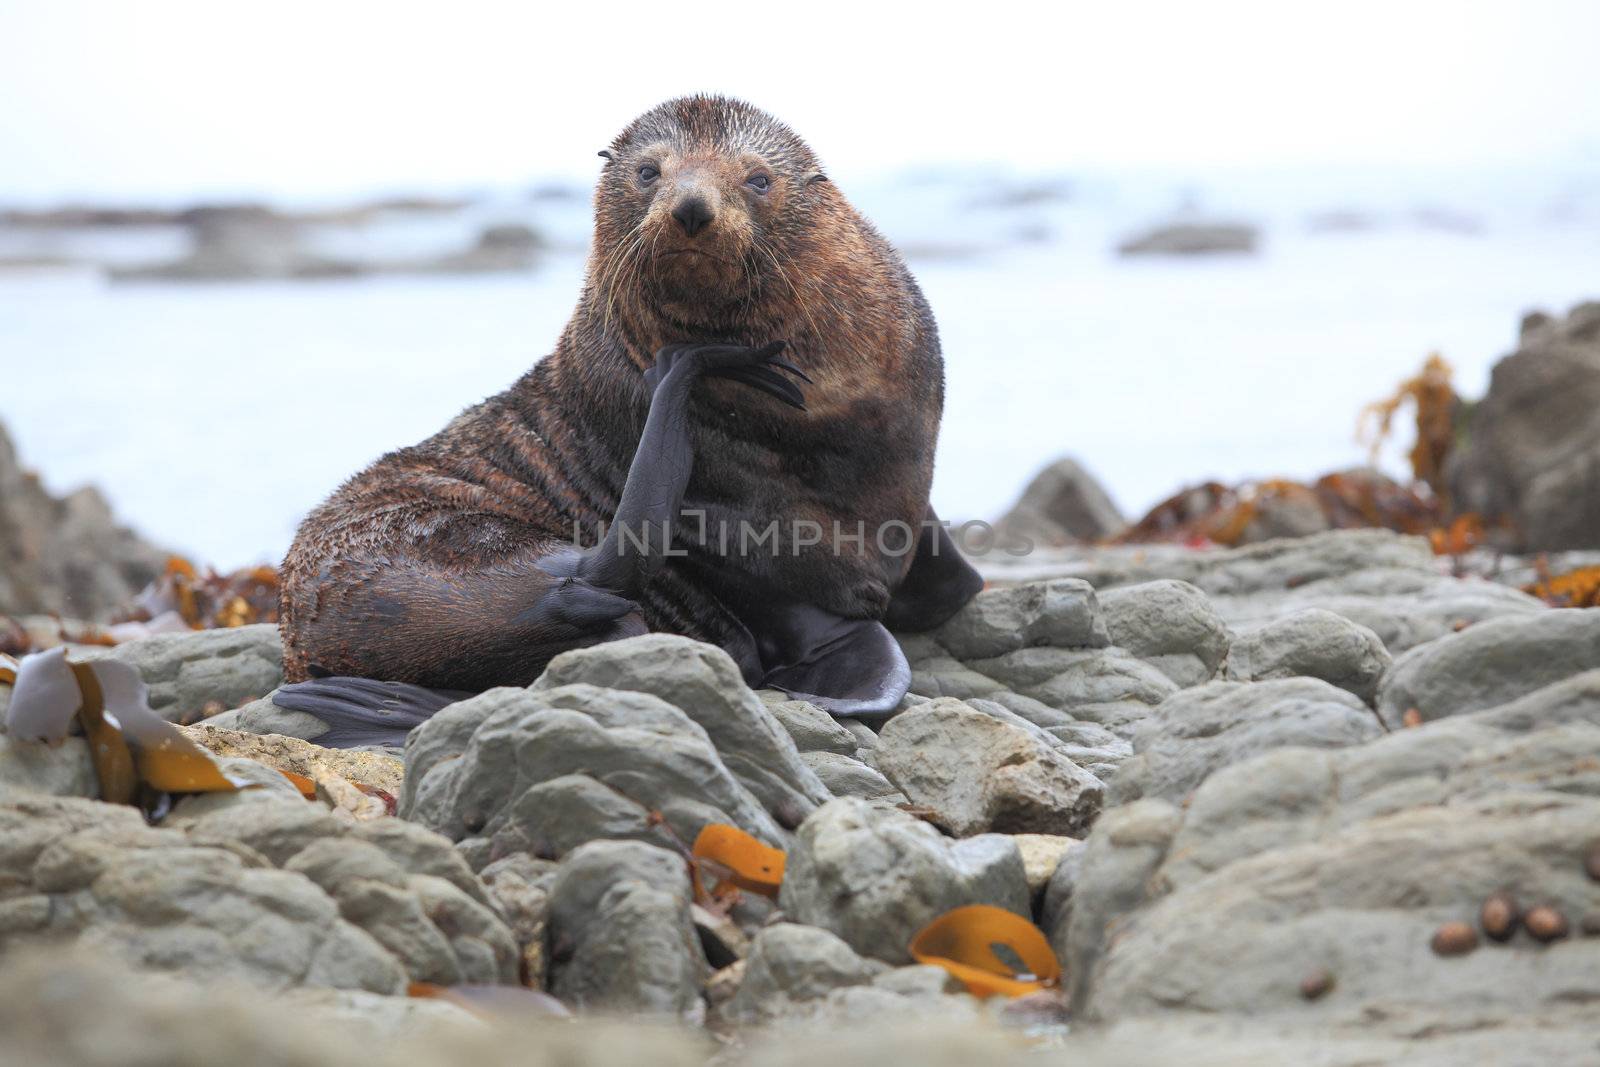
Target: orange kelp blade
(752, 865)
(962, 942)
(48, 697)
(165, 756)
(307, 787)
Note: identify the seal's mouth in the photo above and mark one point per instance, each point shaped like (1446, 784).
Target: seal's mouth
(691, 252)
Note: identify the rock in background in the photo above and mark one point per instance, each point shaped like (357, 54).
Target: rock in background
(1532, 452)
(1064, 503)
(65, 556)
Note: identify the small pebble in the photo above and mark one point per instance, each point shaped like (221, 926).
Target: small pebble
(1590, 924)
(1412, 717)
(1317, 984)
(1591, 862)
(1545, 923)
(1461, 624)
(1499, 916)
(1455, 939)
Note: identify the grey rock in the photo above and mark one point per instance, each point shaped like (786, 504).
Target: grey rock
(1196, 731)
(979, 773)
(1169, 624)
(702, 681)
(1405, 608)
(1055, 907)
(1315, 644)
(1292, 796)
(1102, 685)
(946, 676)
(1482, 770)
(1490, 663)
(272, 891)
(1061, 614)
(143, 1018)
(790, 964)
(518, 886)
(1270, 567)
(546, 769)
(1364, 905)
(65, 556)
(1063, 502)
(621, 934)
(187, 671)
(919, 980)
(866, 737)
(876, 877)
(814, 730)
(847, 777)
(1191, 239)
(1532, 451)
(155, 898)
(264, 717)
(438, 933)
(64, 770)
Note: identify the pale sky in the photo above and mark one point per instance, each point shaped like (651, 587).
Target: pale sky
(174, 98)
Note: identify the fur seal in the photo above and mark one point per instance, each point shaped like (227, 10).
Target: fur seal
(749, 364)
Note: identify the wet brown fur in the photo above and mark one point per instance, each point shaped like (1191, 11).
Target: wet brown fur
(418, 568)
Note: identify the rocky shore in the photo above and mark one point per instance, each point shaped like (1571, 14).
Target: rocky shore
(1259, 800)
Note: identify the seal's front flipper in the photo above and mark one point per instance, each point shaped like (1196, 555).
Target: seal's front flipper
(361, 711)
(852, 667)
(938, 584)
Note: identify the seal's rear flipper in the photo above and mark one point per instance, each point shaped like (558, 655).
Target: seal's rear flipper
(938, 583)
(855, 668)
(362, 711)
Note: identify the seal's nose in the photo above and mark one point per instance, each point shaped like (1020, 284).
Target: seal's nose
(693, 214)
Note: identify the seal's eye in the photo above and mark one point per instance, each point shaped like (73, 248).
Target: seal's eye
(759, 182)
(648, 174)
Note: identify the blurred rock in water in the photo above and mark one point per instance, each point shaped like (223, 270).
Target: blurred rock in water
(1532, 453)
(1191, 239)
(257, 243)
(65, 556)
(1063, 503)
(235, 243)
(506, 247)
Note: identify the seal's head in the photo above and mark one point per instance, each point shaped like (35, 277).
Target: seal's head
(697, 206)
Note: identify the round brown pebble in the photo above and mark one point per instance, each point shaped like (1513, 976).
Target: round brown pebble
(1590, 924)
(1317, 984)
(1412, 717)
(1499, 916)
(1455, 939)
(1591, 862)
(1545, 923)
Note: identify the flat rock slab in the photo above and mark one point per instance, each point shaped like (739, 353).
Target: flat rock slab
(1197, 731)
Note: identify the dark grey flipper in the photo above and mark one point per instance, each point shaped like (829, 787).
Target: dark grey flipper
(939, 583)
(855, 669)
(847, 667)
(362, 711)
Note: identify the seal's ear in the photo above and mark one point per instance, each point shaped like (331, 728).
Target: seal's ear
(605, 153)
(814, 177)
